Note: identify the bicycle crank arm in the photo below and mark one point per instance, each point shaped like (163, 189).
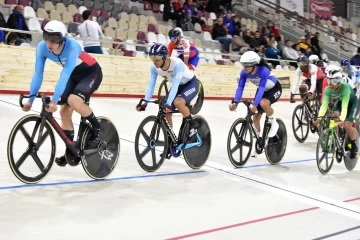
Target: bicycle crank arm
(91, 151)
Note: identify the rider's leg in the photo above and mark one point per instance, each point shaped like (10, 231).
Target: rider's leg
(352, 109)
(67, 126)
(256, 120)
(180, 104)
(168, 117)
(265, 104)
(319, 89)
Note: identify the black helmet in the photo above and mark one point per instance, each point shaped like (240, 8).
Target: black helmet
(303, 61)
(173, 34)
(319, 63)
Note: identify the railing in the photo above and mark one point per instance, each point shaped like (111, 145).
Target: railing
(300, 24)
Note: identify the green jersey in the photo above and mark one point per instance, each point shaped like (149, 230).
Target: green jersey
(345, 95)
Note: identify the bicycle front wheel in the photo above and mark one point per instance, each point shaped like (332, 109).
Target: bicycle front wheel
(325, 151)
(30, 157)
(240, 142)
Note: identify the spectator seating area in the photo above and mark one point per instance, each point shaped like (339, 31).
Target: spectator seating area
(140, 22)
(342, 27)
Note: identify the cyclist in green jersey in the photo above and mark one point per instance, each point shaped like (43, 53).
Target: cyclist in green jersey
(346, 104)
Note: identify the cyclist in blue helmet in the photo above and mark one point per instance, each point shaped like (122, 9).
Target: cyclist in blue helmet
(351, 71)
(184, 89)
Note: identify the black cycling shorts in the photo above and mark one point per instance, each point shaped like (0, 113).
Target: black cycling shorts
(83, 85)
(272, 95)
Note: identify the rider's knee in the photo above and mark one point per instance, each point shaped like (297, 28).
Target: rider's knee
(264, 103)
(179, 101)
(303, 88)
(74, 100)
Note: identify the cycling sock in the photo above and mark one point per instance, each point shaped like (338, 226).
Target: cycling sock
(94, 122)
(272, 118)
(69, 134)
(191, 121)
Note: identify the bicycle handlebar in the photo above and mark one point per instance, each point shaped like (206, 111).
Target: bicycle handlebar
(39, 95)
(144, 100)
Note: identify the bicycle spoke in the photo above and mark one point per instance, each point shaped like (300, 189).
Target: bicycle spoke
(26, 135)
(153, 156)
(246, 144)
(237, 146)
(22, 158)
(160, 144)
(45, 135)
(144, 134)
(236, 134)
(146, 151)
(38, 162)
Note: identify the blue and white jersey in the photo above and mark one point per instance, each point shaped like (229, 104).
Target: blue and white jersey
(177, 74)
(73, 60)
(353, 73)
(263, 79)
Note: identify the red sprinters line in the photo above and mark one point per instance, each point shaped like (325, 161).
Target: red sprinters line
(250, 222)
(242, 224)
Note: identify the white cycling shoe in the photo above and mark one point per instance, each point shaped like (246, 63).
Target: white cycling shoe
(274, 128)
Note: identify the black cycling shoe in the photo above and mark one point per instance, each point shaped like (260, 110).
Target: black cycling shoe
(354, 151)
(61, 161)
(168, 154)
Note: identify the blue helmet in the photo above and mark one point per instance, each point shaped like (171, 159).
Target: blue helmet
(158, 52)
(345, 63)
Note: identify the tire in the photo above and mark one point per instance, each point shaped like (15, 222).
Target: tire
(244, 130)
(100, 165)
(326, 141)
(15, 165)
(275, 151)
(299, 121)
(149, 144)
(197, 156)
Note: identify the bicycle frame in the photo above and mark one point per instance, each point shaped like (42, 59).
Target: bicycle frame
(72, 146)
(162, 119)
(251, 122)
(306, 102)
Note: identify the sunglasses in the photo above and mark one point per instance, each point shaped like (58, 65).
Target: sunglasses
(173, 38)
(156, 58)
(300, 64)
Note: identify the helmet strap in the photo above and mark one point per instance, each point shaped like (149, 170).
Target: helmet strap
(252, 71)
(162, 65)
(178, 41)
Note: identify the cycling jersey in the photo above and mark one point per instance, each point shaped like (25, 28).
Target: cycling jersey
(313, 74)
(177, 74)
(73, 60)
(345, 94)
(185, 48)
(263, 79)
(353, 73)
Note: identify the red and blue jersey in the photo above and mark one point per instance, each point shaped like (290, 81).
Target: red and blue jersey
(185, 48)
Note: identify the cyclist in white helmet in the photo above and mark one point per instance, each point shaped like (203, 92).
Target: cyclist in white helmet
(81, 75)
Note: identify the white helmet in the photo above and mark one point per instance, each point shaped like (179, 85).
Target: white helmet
(250, 59)
(313, 58)
(333, 73)
(55, 31)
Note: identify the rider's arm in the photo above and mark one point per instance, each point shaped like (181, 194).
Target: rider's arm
(313, 70)
(297, 80)
(241, 85)
(345, 102)
(39, 72)
(151, 86)
(65, 73)
(186, 46)
(179, 69)
(354, 75)
(325, 102)
(263, 80)
(170, 49)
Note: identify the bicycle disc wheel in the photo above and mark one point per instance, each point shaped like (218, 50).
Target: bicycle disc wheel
(195, 109)
(300, 123)
(100, 165)
(240, 137)
(325, 151)
(151, 136)
(196, 157)
(31, 158)
(350, 164)
(276, 147)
